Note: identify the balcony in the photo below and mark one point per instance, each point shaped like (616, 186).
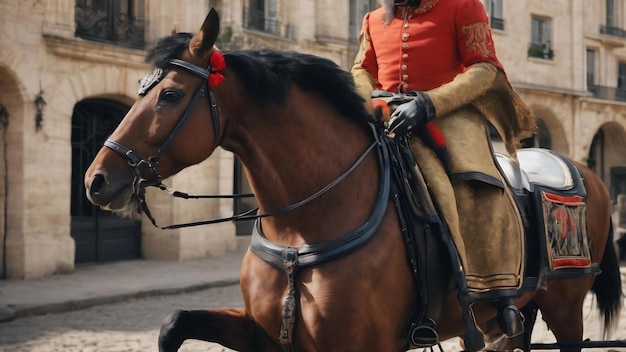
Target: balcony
(541, 51)
(607, 93)
(259, 21)
(110, 24)
(614, 31)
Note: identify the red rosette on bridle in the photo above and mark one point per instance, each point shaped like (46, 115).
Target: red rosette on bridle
(216, 64)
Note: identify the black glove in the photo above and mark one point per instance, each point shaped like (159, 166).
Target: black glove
(412, 115)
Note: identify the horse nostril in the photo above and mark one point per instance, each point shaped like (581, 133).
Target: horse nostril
(97, 182)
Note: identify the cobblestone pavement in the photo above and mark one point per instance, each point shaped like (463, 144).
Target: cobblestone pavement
(133, 326)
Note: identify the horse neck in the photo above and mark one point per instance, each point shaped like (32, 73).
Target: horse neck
(291, 152)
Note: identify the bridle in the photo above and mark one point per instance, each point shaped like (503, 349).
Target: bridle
(138, 163)
(135, 161)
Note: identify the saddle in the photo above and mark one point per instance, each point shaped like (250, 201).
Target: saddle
(551, 196)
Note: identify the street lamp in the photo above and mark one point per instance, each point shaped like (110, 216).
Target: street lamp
(39, 104)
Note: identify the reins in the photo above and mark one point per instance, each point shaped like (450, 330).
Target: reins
(136, 162)
(248, 215)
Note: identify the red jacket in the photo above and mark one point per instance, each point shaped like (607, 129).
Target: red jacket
(438, 41)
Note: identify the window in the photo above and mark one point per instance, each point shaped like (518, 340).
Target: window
(620, 93)
(120, 22)
(540, 46)
(358, 9)
(262, 15)
(613, 26)
(611, 16)
(271, 9)
(591, 67)
(496, 18)
(621, 75)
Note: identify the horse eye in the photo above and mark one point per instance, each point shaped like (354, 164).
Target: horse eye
(170, 96)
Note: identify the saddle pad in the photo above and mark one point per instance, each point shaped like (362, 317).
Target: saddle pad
(564, 218)
(544, 167)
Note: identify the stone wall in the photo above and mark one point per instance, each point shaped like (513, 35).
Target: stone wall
(39, 51)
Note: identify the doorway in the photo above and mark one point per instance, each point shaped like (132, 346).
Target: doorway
(100, 236)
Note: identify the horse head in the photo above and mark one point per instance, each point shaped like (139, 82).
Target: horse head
(158, 136)
(253, 103)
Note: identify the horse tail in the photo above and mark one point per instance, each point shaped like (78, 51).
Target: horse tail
(607, 286)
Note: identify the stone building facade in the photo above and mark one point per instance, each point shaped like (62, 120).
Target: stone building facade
(84, 59)
(567, 58)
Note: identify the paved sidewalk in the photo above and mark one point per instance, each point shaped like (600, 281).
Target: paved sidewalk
(95, 284)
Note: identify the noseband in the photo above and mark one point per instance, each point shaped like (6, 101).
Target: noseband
(137, 162)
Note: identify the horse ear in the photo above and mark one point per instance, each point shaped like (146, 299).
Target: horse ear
(204, 40)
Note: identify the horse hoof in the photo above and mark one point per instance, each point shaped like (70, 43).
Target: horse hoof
(169, 338)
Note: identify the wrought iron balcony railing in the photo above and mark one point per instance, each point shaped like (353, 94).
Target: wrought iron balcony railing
(614, 31)
(607, 93)
(108, 24)
(259, 21)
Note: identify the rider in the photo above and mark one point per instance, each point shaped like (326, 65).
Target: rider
(443, 50)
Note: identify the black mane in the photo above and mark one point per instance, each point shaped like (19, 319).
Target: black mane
(267, 74)
(168, 48)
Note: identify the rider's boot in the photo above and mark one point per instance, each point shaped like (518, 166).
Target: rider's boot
(510, 319)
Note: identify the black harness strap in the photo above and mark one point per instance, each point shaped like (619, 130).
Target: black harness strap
(313, 254)
(292, 259)
(204, 73)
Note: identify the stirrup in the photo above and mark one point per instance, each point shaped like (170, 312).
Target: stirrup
(510, 320)
(424, 335)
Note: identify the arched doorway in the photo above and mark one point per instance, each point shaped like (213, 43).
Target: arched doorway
(607, 158)
(542, 139)
(99, 235)
(550, 131)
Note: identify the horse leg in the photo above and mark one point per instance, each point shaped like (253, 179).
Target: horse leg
(232, 328)
(529, 312)
(561, 307)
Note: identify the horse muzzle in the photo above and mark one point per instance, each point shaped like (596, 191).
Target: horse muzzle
(110, 193)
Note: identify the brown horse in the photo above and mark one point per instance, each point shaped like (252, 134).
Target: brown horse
(297, 125)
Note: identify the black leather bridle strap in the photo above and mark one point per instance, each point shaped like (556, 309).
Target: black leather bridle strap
(199, 71)
(134, 160)
(180, 123)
